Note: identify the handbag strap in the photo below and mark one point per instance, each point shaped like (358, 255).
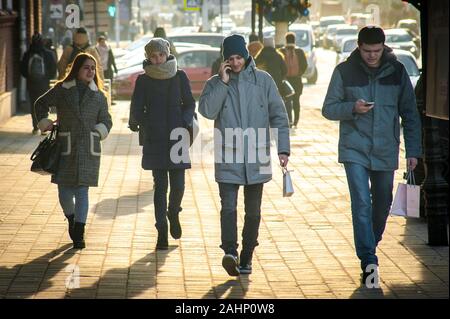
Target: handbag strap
(410, 178)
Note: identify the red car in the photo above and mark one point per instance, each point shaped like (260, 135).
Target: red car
(196, 62)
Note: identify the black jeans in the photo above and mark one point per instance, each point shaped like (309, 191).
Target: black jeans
(228, 217)
(296, 82)
(176, 177)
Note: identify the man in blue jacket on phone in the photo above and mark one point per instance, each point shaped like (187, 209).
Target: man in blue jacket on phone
(368, 93)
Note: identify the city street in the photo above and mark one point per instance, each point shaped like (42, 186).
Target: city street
(306, 241)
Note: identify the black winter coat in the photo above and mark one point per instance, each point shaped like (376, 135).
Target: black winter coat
(158, 107)
(49, 61)
(271, 61)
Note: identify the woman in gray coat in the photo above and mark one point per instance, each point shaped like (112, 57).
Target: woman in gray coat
(83, 120)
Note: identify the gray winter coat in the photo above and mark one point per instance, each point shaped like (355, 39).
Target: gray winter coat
(250, 101)
(82, 125)
(372, 139)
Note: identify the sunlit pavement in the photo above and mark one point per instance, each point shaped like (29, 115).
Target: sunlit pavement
(306, 241)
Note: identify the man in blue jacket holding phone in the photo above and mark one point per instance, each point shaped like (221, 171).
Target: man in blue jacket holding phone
(368, 94)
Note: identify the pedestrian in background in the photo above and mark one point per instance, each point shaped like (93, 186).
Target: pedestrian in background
(106, 58)
(296, 64)
(83, 121)
(160, 32)
(272, 61)
(368, 94)
(254, 45)
(259, 109)
(38, 67)
(79, 44)
(162, 101)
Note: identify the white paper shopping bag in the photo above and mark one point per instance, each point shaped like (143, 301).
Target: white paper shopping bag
(407, 198)
(413, 201)
(398, 207)
(288, 188)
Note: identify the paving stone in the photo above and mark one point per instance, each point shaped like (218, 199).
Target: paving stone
(306, 241)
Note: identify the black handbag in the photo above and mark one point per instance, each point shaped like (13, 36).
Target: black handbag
(46, 156)
(286, 90)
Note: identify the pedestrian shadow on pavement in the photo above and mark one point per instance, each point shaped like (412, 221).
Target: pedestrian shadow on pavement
(124, 205)
(363, 292)
(25, 280)
(231, 289)
(126, 282)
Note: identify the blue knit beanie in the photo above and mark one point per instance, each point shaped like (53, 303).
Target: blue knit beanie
(234, 44)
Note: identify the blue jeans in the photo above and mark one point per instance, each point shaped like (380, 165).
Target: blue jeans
(228, 217)
(370, 208)
(74, 200)
(161, 184)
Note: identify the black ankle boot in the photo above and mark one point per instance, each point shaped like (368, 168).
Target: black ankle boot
(71, 222)
(175, 226)
(78, 232)
(163, 241)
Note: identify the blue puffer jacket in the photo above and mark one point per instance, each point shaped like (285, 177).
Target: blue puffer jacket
(372, 139)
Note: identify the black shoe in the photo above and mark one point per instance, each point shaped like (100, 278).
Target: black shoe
(175, 227)
(245, 269)
(78, 234)
(163, 241)
(71, 222)
(230, 264)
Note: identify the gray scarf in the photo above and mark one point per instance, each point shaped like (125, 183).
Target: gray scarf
(163, 71)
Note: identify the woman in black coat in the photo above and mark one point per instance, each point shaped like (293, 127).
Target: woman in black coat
(162, 107)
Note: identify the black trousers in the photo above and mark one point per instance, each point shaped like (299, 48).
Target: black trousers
(228, 217)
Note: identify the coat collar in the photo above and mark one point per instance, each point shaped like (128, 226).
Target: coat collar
(72, 83)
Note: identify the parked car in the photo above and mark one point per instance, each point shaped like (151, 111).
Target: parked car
(212, 39)
(413, 28)
(343, 31)
(138, 53)
(401, 39)
(195, 61)
(348, 44)
(328, 36)
(304, 38)
(360, 19)
(141, 42)
(409, 24)
(410, 63)
(324, 22)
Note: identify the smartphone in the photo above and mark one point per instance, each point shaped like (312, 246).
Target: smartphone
(369, 103)
(228, 70)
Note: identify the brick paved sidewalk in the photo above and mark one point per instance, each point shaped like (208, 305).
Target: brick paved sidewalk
(306, 241)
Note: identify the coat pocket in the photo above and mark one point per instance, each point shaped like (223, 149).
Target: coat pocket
(65, 143)
(95, 146)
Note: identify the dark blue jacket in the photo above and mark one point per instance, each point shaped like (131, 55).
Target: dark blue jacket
(159, 107)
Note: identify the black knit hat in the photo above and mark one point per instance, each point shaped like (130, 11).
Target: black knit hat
(234, 44)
